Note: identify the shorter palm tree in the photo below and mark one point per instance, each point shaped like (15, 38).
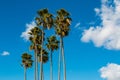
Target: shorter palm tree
(26, 62)
(52, 44)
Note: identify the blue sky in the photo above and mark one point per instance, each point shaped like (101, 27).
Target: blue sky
(87, 52)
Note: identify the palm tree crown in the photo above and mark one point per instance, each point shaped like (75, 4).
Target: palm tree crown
(44, 56)
(26, 60)
(62, 22)
(35, 35)
(52, 43)
(44, 19)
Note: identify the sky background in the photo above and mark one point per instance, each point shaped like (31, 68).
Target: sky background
(90, 52)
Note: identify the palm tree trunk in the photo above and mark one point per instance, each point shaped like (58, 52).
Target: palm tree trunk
(63, 57)
(24, 73)
(36, 63)
(59, 63)
(37, 69)
(51, 67)
(35, 66)
(41, 67)
(42, 75)
(41, 64)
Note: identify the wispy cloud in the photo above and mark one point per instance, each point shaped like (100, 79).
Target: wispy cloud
(5, 53)
(106, 34)
(110, 72)
(77, 25)
(25, 34)
(97, 11)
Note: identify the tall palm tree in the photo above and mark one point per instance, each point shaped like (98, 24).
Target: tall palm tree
(26, 62)
(44, 59)
(44, 20)
(35, 38)
(62, 23)
(52, 44)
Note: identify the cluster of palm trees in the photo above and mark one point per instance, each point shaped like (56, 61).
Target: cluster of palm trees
(42, 45)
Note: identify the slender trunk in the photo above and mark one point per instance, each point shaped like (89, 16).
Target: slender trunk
(41, 64)
(42, 74)
(24, 73)
(63, 59)
(36, 63)
(51, 66)
(59, 63)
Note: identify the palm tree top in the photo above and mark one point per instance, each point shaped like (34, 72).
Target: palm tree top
(35, 36)
(62, 23)
(44, 56)
(52, 43)
(62, 12)
(44, 52)
(44, 18)
(52, 39)
(42, 12)
(26, 60)
(35, 30)
(26, 56)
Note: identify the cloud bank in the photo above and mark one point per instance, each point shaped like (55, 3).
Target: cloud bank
(5, 53)
(25, 34)
(108, 33)
(110, 72)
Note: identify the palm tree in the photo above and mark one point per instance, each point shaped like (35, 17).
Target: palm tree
(62, 23)
(45, 20)
(35, 38)
(52, 44)
(26, 62)
(44, 59)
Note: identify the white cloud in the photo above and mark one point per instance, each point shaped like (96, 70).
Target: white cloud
(110, 72)
(97, 10)
(77, 25)
(25, 34)
(108, 33)
(5, 53)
